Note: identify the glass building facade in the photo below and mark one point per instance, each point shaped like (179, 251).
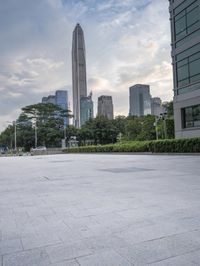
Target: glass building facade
(139, 100)
(86, 105)
(62, 101)
(185, 33)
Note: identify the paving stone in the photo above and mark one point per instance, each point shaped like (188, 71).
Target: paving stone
(66, 263)
(161, 249)
(190, 259)
(63, 252)
(104, 258)
(31, 257)
(145, 209)
(10, 246)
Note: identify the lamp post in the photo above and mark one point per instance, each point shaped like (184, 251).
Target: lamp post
(163, 117)
(156, 126)
(15, 127)
(36, 135)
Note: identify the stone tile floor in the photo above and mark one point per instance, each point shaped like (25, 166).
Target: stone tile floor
(106, 210)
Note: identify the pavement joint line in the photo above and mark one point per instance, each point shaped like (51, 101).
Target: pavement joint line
(176, 256)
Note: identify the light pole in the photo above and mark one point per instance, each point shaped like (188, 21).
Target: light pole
(156, 126)
(163, 117)
(36, 137)
(15, 127)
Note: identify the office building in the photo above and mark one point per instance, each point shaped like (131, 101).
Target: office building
(62, 101)
(185, 32)
(86, 106)
(105, 106)
(49, 99)
(156, 106)
(139, 100)
(79, 79)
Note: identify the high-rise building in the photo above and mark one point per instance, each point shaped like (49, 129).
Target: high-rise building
(139, 100)
(156, 106)
(49, 99)
(79, 79)
(62, 101)
(185, 32)
(86, 107)
(105, 106)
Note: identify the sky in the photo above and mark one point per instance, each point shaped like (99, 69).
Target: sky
(127, 42)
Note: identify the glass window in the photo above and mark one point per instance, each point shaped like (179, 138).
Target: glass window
(194, 67)
(183, 72)
(180, 25)
(186, 21)
(191, 116)
(195, 78)
(192, 17)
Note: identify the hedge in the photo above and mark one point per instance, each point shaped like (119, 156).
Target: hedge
(158, 146)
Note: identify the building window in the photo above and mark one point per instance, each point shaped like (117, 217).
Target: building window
(188, 70)
(191, 116)
(187, 21)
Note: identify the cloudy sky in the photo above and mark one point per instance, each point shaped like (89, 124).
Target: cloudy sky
(127, 42)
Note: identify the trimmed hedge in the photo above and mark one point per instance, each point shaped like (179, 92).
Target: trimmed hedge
(158, 146)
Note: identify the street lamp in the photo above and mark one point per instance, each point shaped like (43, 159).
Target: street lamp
(156, 126)
(163, 117)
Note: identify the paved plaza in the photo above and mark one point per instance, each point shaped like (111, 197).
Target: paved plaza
(105, 210)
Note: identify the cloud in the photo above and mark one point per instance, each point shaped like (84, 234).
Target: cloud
(127, 42)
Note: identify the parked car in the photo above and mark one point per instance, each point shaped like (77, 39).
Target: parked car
(3, 149)
(39, 148)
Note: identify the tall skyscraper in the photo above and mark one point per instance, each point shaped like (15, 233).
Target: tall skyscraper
(139, 100)
(156, 106)
(185, 32)
(79, 79)
(105, 106)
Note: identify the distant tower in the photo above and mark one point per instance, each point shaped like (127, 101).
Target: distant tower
(86, 109)
(79, 79)
(140, 100)
(105, 106)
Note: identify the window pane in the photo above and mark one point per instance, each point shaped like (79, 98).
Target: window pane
(183, 62)
(180, 25)
(193, 16)
(183, 82)
(191, 116)
(195, 67)
(195, 78)
(183, 72)
(194, 57)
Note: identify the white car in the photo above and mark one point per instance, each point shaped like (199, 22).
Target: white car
(40, 148)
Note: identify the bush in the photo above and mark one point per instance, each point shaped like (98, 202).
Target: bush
(159, 146)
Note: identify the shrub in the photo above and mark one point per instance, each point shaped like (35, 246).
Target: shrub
(159, 146)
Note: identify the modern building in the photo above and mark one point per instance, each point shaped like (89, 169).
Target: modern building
(49, 99)
(185, 32)
(79, 79)
(61, 99)
(86, 107)
(156, 106)
(139, 100)
(105, 106)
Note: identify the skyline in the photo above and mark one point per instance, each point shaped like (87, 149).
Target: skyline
(126, 43)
